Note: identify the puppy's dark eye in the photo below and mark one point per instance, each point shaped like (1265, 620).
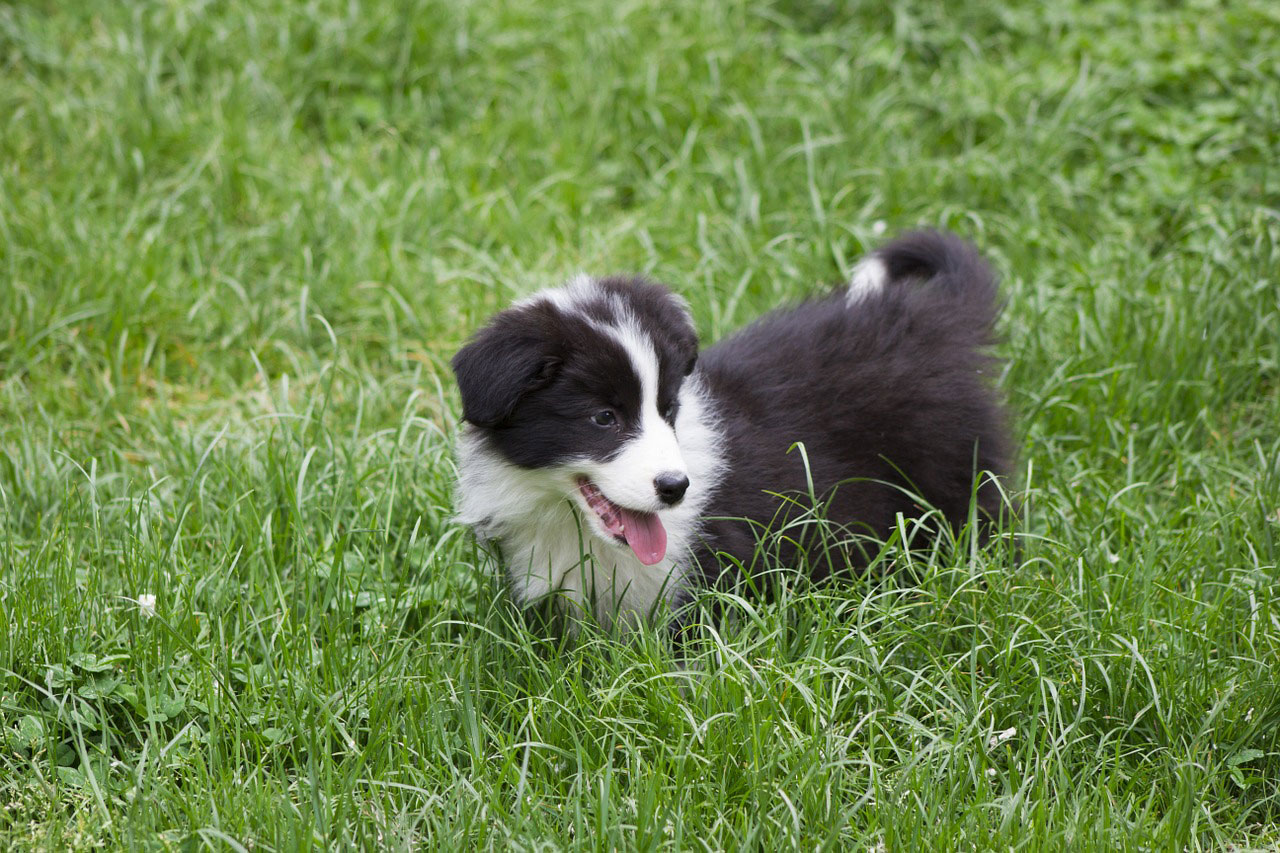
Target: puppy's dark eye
(669, 413)
(604, 417)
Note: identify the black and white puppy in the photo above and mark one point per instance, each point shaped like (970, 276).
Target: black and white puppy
(618, 469)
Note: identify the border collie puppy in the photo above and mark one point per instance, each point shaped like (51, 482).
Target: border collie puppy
(617, 469)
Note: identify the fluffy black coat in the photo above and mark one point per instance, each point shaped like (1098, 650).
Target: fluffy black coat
(892, 398)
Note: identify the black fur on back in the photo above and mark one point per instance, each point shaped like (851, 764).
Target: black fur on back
(892, 393)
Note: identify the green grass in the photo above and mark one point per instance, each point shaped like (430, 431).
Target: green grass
(239, 242)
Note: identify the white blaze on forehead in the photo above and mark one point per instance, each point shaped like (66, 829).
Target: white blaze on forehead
(628, 478)
(643, 357)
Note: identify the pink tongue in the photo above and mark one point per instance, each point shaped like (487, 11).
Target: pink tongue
(645, 534)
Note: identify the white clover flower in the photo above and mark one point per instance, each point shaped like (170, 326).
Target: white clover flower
(1000, 737)
(147, 604)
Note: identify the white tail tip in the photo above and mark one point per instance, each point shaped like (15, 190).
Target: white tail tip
(869, 277)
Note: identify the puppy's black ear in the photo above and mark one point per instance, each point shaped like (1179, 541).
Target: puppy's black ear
(500, 365)
(679, 340)
(687, 346)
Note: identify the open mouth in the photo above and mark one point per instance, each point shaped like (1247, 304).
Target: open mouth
(641, 531)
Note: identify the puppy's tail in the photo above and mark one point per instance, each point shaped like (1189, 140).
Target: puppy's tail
(940, 261)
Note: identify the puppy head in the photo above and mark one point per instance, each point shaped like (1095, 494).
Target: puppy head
(582, 384)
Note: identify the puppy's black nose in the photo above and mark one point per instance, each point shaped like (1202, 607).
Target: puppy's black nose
(671, 487)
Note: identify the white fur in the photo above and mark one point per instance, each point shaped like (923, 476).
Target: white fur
(552, 543)
(565, 298)
(869, 277)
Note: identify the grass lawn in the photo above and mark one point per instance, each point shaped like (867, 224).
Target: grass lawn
(240, 241)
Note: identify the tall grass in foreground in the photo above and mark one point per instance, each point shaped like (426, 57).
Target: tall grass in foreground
(239, 242)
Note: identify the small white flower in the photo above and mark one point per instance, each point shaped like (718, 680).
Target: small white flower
(1000, 737)
(879, 227)
(991, 773)
(147, 604)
